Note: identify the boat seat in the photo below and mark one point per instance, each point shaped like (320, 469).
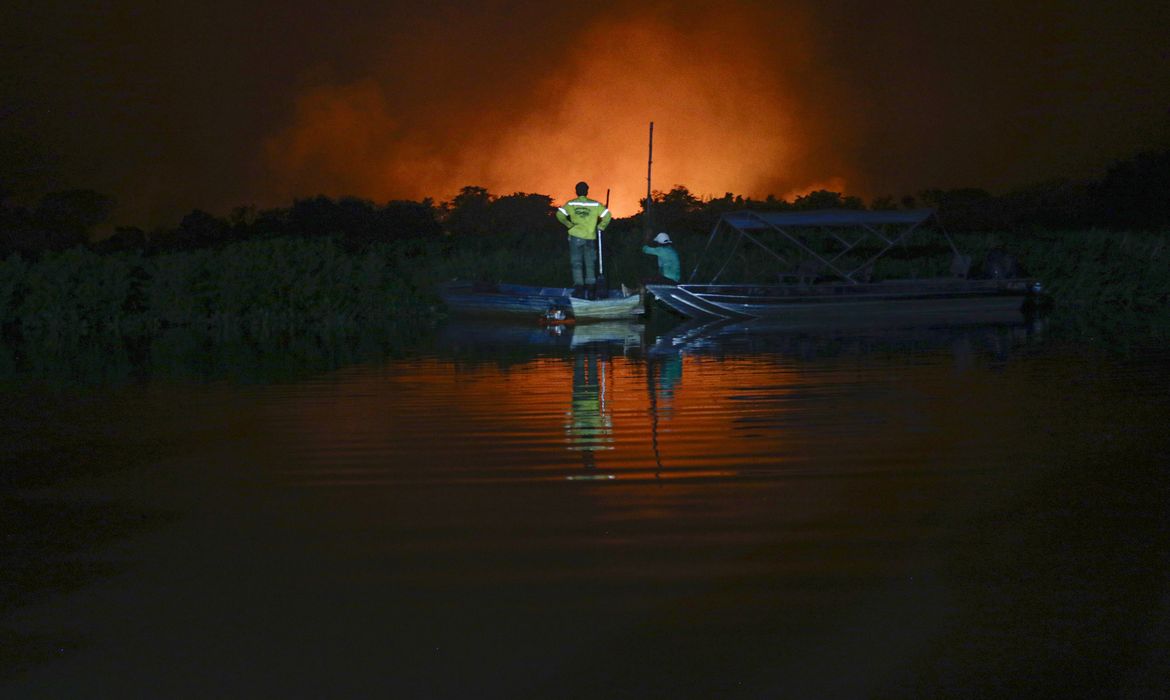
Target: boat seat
(1000, 265)
(808, 271)
(863, 274)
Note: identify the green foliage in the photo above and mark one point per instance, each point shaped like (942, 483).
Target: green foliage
(77, 291)
(825, 199)
(264, 286)
(1124, 271)
(12, 272)
(281, 284)
(74, 211)
(279, 271)
(500, 260)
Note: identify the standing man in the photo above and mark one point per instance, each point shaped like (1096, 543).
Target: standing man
(583, 217)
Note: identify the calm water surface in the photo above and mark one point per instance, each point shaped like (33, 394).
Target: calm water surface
(610, 512)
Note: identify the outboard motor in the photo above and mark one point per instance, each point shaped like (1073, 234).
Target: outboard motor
(557, 315)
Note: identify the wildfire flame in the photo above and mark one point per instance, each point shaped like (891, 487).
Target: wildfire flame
(727, 119)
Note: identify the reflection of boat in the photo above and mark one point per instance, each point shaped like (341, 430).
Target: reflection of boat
(624, 333)
(491, 299)
(727, 337)
(481, 334)
(823, 275)
(493, 334)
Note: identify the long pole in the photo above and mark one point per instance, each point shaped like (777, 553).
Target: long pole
(600, 255)
(649, 166)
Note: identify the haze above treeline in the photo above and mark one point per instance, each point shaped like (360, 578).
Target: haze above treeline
(168, 107)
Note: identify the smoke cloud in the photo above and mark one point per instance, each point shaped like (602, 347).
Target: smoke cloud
(724, 96)
(213, 105)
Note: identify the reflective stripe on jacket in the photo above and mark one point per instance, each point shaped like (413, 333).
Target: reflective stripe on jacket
(583, 217)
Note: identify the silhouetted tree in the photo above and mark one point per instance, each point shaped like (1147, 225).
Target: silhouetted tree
(467, 213)
(1135, 193)
(270, 223)
(124, 238)
(315, 216)
(824, 199)
(241, 220)
(60, 220)
(1060, 204)
(400, 220)
(13, 219)
(77, 210)
(201, 230)
(529, 217)
(677, 211)
(965, 209)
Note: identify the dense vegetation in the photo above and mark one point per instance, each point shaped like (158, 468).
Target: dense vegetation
(338, 266)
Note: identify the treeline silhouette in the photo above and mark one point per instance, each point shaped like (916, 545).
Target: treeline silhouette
(1132, 195)
(344, 266)
(65, 220)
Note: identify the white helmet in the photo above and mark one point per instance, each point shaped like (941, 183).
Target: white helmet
(662, 238)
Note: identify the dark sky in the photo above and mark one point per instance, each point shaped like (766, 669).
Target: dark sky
(174, 106)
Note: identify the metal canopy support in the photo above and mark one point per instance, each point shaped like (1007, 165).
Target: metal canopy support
(799, 244)
(695, 269)
(742, 234)
(868, 222)
(734, 249)
(890, 244)
(771, 252)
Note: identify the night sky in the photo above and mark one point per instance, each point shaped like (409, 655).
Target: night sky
(216, 104)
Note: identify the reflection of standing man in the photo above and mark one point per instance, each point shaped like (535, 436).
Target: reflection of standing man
(583, 217)
(590, 425)
(669, 372)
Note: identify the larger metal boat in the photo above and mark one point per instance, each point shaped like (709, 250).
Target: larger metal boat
(819, 270)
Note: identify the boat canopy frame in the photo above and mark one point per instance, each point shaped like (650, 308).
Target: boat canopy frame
(866, 226)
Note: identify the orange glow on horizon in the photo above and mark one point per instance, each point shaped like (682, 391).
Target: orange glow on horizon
(726, 119)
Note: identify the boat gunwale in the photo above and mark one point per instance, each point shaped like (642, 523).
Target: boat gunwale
(684, 298)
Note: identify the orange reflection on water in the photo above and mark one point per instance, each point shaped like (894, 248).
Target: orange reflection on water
(829, 435)
(551, 417)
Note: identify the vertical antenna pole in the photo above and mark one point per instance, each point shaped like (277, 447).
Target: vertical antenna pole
(649, 166)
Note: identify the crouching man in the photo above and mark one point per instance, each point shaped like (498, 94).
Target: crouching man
(669, 266)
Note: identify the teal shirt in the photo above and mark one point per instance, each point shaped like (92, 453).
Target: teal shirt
(668, 262)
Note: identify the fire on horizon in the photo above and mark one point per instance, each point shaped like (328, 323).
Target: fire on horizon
(174, 107)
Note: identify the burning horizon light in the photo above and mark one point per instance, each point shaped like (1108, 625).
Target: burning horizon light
(724, 122)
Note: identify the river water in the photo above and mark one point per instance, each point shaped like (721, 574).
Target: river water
(607, 511)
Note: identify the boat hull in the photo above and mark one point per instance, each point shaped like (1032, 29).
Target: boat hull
(911, 302)
(514, 300)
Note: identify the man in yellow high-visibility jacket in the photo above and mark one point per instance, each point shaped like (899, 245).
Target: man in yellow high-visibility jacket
(583, 217)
